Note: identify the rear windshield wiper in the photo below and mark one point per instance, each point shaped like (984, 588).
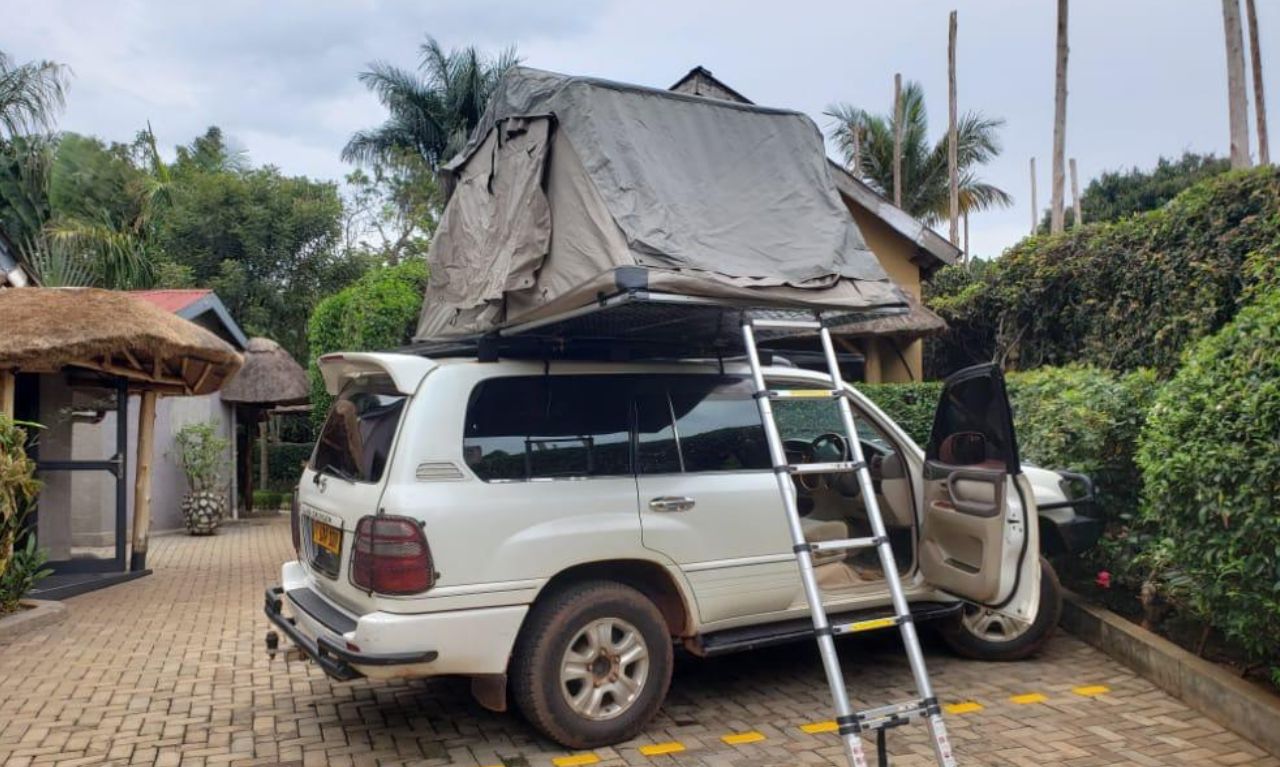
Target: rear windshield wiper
(329, 468)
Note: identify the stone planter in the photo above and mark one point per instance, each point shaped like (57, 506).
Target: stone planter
(202, 512)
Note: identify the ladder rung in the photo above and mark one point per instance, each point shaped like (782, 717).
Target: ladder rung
(870, 624)
(832, 467)
(805, 393)
(786, 324)
(892, 715)
(846, 544)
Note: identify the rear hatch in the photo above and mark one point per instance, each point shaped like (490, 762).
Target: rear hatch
(349, 467)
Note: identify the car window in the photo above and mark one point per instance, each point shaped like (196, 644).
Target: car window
(698, 424)
(355, 441)
(805, 420)
(537, 427)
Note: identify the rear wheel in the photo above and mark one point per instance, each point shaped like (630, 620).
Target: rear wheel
(984, 634)
(593, 664)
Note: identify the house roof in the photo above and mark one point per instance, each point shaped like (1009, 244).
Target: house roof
(269, 377)
(933, 250)
(199, 305)
(108, 331)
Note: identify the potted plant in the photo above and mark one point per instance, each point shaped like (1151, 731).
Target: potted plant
(203, 457)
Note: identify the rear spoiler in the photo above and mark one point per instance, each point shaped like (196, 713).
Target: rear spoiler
(405, 371)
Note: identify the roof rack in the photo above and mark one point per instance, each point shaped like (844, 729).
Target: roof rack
(643, 324)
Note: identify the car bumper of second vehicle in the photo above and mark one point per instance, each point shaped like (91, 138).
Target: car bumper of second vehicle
(384, 645)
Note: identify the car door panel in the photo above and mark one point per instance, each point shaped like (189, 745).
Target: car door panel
(979, 539)
(700, 447)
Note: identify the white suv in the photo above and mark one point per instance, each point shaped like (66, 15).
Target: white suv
(554, 530)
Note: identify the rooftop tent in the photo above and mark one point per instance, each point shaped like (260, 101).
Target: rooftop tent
(574, 189)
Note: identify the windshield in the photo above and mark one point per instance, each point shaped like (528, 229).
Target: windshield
(355, 443)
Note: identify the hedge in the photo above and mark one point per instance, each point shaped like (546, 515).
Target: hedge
(378, 311)
(284, 464)
(1075, 417)
(1123, 295)
(1210, 455)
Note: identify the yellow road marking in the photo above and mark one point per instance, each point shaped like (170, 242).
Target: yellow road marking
(740, 738)
(657, 749)
(1091, 690)
(875, 623)
(817, 727)
(1031, 697)
(575, 760)
(967, 707)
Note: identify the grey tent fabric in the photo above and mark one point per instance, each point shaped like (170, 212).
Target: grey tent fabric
(569, 183)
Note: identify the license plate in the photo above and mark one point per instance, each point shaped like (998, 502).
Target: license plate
(326, 537)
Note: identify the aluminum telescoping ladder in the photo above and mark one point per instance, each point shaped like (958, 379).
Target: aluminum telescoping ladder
(850, 723)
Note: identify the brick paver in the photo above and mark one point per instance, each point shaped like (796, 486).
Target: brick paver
(170, 670)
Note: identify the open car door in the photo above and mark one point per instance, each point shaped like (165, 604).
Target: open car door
(979, 539)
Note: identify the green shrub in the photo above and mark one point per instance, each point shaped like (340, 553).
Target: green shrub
(1076, 417)
(379, 311)
(910, 405)
(23, 571)
(19, 569)
(1210, 457)
(284, 464)
(270, 500)
(1123, 295)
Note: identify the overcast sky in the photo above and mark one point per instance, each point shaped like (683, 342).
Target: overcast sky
(1147, 77)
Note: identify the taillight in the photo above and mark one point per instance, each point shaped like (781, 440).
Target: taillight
(295, 523)
(390, 556)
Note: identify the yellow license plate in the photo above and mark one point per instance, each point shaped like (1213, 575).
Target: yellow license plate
(326, 537)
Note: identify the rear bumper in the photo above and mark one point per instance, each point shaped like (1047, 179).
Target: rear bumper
(338, 662)
(386, 645)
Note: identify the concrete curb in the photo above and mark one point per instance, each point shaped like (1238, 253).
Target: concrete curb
(1215, 692)
(39, 613)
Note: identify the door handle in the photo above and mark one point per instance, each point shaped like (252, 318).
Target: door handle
(671, 503)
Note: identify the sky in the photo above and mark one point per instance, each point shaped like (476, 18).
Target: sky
(1147, 78)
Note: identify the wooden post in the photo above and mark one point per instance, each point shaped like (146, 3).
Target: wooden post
(1035, 211)
(1056, 215)
(142, 480)
(1237, 100)
(8, 392)
(1078, 214)
(1259, 93)
(264, 436)
(953, 158)
(897, 140)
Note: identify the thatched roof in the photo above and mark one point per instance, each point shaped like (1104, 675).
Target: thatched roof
(46, 329)
(269, 377)
(919, 321)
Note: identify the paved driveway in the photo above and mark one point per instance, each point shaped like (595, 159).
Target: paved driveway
(169, 670)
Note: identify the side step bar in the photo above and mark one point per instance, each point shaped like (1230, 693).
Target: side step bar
(784, 632)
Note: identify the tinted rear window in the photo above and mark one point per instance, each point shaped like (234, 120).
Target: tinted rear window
(537, 427)
(355, 442)
(717, 426)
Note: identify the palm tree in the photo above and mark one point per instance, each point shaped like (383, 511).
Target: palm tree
(30, 95)
(866, 139)
(432, 110)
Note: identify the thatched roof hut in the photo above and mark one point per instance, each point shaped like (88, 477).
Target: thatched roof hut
(919, 321)
(45, 329)
(269, 377)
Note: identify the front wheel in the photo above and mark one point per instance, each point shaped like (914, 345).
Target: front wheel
(984, 634)
(593, 665)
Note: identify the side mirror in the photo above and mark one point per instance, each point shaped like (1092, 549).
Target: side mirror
(964, 448)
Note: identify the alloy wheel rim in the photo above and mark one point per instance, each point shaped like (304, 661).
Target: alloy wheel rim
(604, 669)
(991, 626)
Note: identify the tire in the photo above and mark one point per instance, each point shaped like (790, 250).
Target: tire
(576, 654)
(973, 634)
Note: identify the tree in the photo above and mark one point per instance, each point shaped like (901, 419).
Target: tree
(925, 192)
(1237, 100)
(432, 110)
(30, 95)
(1259, 92)
(390, 212)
